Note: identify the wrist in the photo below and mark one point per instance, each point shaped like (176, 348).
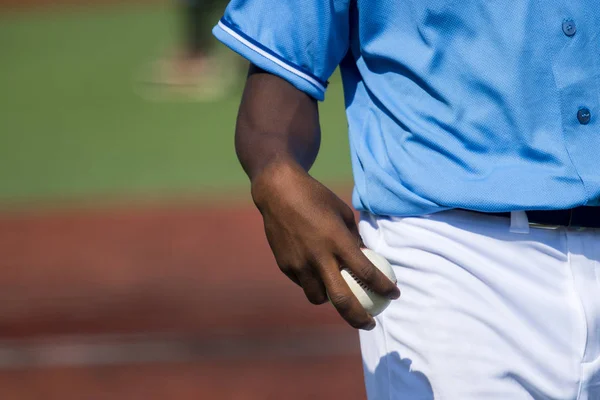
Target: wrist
(273, 178)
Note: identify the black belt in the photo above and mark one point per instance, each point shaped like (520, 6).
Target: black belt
(578, 217)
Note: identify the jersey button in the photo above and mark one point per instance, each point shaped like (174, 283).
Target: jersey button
(584, 115)
(569, 27)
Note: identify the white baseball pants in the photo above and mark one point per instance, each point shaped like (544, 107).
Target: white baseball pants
(485, 313)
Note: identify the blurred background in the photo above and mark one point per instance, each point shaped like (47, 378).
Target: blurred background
(132, 263)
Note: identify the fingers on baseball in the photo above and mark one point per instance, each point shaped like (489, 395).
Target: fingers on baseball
(353, 258)
(340, 295)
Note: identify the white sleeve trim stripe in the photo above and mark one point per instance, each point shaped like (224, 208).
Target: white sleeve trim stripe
(270, 57)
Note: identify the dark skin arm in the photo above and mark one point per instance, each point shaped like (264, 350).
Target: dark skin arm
(311, 231)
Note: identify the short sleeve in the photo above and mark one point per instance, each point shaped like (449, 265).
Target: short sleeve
(302, 41)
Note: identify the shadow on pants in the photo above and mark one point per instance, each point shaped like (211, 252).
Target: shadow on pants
(393, 379)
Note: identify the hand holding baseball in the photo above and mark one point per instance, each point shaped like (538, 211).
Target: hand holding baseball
(313, 236)
(372, 302)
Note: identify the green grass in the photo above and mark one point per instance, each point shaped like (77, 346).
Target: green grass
(72, 125)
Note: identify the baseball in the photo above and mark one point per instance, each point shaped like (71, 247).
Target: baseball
(373, 303)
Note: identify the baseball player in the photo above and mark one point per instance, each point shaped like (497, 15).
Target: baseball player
(191, 68)
(474, 134)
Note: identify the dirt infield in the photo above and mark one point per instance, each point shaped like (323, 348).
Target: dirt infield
(235, 327)
(317, 378)
(313, 369)
(172, 268)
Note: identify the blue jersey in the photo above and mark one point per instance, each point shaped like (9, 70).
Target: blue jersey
(485, 105)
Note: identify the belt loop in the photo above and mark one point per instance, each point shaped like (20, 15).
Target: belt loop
(519, 223)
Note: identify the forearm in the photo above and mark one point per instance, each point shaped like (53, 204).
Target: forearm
(277, 124)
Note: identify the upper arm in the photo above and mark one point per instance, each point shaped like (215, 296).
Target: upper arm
(274, 113)
(301, 41)
(276, 101)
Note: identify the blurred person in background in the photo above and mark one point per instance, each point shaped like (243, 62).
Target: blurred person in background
(474, 132)
(193, 69)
